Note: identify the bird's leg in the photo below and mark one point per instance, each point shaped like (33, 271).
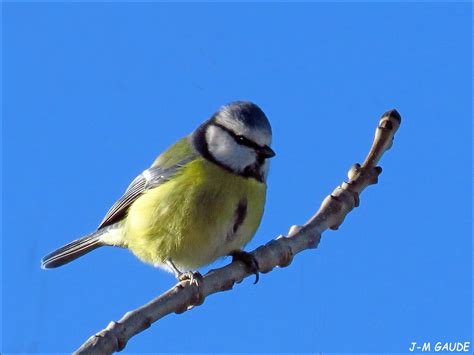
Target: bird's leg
(249, 261)
(193, 277)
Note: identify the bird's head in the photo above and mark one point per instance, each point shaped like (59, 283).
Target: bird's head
(238, 138)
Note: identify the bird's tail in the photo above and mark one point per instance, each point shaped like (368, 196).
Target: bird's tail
(73, 250)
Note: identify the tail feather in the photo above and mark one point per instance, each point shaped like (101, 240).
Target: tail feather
(73, 250)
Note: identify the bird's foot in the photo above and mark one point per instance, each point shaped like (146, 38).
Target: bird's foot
(193, 277)
(249, 260)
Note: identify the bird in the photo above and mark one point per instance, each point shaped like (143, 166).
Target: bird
(201, 199)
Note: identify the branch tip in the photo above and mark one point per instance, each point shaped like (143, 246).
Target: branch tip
(393, 114)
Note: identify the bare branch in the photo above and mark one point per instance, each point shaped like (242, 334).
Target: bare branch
(276, 253)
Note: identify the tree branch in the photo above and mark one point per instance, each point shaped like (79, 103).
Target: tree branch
(276, 253)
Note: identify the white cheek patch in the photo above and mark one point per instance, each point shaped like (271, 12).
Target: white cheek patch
(227, 151)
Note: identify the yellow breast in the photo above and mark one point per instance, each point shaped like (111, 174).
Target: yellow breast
(195, 217)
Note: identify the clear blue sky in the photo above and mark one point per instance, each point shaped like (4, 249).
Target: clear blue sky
(93, 92)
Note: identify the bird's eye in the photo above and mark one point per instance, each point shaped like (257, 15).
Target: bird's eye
(242, 140)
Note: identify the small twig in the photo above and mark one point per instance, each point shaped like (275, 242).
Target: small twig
(276, 253)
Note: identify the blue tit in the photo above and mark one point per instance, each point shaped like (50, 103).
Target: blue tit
(201, 199)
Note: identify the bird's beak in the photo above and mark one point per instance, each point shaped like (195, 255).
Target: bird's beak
(266, 152)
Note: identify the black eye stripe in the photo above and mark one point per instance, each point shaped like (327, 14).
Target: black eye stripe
(238, 138)
(243, 140)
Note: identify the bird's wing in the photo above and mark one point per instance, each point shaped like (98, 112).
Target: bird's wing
(150, 178)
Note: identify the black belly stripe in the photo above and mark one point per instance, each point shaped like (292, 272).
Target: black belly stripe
(240, 214)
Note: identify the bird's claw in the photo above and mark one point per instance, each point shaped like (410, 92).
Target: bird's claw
(194, 277)
(249, 260)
